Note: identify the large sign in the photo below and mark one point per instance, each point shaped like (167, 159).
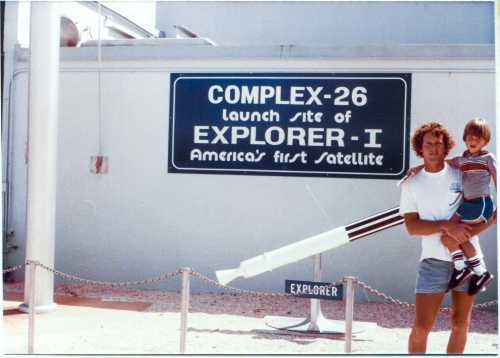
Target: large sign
(338, 125)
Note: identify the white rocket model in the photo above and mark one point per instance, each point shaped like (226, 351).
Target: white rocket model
(312, 246)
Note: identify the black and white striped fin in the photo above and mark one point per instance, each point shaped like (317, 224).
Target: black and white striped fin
(373, 224)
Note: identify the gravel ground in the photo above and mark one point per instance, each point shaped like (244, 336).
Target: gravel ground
(222, 324)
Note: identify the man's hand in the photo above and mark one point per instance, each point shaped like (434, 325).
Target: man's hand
(459, 232)
(449, 242)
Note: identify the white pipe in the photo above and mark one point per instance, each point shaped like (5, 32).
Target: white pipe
(32, 304)
(42, 148)
(186, 275)
(349, 314)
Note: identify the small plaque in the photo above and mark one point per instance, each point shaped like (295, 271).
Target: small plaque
(320, 292)
(99, 165)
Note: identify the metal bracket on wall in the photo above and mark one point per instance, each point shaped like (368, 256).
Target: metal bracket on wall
(99, 165)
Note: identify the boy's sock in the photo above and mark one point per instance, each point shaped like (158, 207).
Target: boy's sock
(476, 265)
(458, 259)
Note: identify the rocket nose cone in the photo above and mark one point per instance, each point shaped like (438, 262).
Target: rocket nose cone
(226, 276)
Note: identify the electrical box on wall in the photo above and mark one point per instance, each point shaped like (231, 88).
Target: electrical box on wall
(99, 165)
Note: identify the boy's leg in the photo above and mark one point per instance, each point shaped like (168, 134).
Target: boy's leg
(471, 254)
(461, 272)
(426, 309)
(461, 305)
(454, 247)
(468, 249)
(457, 254)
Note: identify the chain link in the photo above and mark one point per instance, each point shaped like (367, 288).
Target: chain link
(381, 295)
(259, 294)
(486, 304)
(405, 304)
(10, 269)
(90, 282)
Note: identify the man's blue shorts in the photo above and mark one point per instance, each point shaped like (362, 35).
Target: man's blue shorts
(434, 276)
(475, 209)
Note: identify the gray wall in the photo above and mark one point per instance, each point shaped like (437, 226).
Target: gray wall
(245, 23)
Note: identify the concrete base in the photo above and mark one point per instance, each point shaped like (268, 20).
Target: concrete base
(39, 309)
(323, 325)
(368, 333)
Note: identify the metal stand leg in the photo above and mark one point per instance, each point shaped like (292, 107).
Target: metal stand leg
(316, 322)
(316, 314)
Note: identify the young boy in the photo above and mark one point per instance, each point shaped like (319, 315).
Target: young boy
(478, 167)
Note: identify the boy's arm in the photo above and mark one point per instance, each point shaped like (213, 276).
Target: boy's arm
(414, 170)
(453, 162)
(418, 168)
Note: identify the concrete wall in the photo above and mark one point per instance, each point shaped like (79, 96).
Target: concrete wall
(138, 221)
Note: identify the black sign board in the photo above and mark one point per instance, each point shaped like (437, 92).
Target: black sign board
(319, 291)
(338, 125)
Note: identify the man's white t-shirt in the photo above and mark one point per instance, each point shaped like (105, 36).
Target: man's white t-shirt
(434, 196)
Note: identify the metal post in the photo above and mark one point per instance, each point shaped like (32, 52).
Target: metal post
(349, 313)
(315, 304)
(32, 307)
(186, 275)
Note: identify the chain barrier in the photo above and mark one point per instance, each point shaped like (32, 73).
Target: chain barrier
(90, 282)
(238, 290)
(356, 280)
(260, 294)
(10, 269)
(405, 304)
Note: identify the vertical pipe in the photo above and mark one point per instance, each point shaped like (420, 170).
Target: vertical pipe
(349, 313)
(42, 147)
(32, 304)
(315, 304)
(186, 275)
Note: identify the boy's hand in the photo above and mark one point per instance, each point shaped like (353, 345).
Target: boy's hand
(414, 170)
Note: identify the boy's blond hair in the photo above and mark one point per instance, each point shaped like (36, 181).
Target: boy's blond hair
(478, 128)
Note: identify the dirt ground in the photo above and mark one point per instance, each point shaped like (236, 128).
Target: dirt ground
(94, 320)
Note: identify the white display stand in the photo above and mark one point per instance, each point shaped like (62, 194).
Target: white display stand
(316, 322)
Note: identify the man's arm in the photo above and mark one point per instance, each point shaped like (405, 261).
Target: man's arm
(459, 231)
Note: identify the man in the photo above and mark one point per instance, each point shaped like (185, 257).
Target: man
(428, 201)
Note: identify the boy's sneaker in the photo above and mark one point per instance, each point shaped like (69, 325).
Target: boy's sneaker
(477, 283)
(458, 277)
